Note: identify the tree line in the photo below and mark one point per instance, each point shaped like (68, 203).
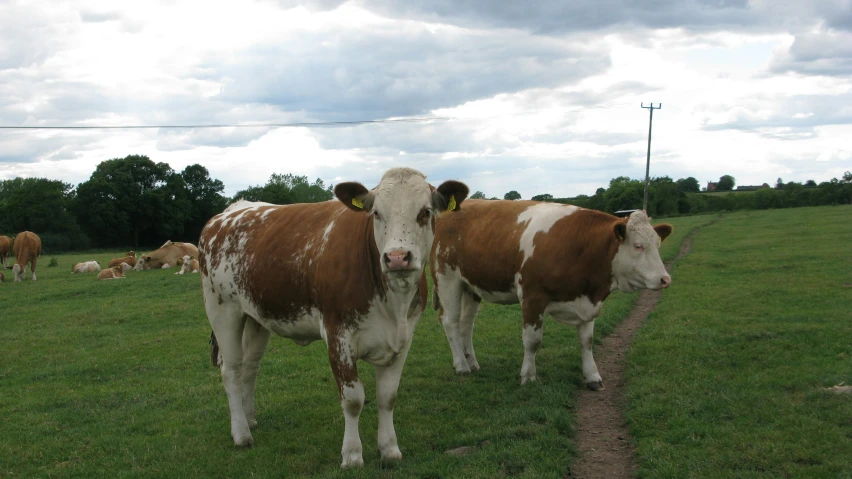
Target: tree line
(135, 202)
(132, 201)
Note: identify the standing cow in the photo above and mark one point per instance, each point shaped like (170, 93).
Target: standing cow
(5, 250)
(348, 272)
(27, 248)
(551, 258)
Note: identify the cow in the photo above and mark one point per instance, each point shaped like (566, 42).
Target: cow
(125, 267)
(188, 265)
(349, 272)
(86, 267)
(27, 248)
(114, 272)
(551, 258)
(5, 250)
(165, 256)
(129, 258)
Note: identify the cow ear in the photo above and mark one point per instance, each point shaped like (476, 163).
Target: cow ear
(620, 231)
(664, 230)
(449, 196)
(354, 195)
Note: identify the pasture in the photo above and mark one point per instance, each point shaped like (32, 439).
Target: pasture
(112, 378)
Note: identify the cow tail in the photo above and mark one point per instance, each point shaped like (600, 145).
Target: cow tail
(214, 350)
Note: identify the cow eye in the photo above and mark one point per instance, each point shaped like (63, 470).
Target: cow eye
(639, 247)
(377, 215)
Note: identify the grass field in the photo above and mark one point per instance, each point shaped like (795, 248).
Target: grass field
(727, 378)
(112, 379)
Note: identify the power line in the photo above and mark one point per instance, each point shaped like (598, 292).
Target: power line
(241, 125)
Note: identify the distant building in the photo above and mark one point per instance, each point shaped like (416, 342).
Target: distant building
(711, 186)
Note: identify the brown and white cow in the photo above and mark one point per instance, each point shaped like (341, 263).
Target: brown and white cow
(86, 267)
(348, 272)
(166, 256)
(129, 258)
(551, 258)
(5, 250)
(114, 272)
(188, 265)
(27, 248)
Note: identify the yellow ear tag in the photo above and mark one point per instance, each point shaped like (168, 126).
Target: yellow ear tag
(452, 205)
(358, 203)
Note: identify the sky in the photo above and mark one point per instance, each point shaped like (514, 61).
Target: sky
(537, 97)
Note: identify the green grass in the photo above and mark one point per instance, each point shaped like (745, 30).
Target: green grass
(727, 377)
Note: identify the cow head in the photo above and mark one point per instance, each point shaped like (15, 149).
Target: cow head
(140, 264)
(18, 271)
(402, 209)
(637, 264)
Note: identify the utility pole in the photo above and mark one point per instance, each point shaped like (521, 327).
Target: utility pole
(648, 162)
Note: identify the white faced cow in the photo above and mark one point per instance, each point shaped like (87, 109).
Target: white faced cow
(348, 272)
(551, 258)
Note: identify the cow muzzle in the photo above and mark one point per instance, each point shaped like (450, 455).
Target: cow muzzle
(398, 260)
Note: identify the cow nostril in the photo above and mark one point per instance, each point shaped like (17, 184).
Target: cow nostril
(407, 257)
(665, 281)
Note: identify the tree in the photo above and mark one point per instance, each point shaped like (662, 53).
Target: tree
(478, 196)
(624, 194)
(287, 189)
(205, 198)
(726, 183)
(688, 185)
(512, 195)
(543, 197)
(125, 197)
(779, 183)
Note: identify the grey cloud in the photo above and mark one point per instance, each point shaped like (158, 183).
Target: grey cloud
(795, 117)
(91, 16)
(170, 139)
(822, 53)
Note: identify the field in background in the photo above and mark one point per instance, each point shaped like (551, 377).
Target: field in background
(727, 378)
(111, 378)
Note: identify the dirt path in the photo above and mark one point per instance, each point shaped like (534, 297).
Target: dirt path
(605, 447)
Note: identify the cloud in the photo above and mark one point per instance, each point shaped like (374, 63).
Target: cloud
(827, 52)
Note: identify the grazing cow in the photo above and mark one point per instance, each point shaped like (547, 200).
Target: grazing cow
(5, 250)
(27, 248)
(111, 273)
(165, 256)
(129, 258)
(350, 273)
(188, 265)
(86, 267)
(551, 258)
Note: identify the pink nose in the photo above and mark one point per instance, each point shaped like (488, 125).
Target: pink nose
(666, 281)
(397, 259)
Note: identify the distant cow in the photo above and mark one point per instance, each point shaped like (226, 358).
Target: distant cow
(111, 273)
(86, 267)
(5, 250)
(166, 256)
(553, 259)
(348, 272)
(129, 258)
(188, 265)
(27, 248)
(125, 267)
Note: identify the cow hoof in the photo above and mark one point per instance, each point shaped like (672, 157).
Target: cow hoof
(354, 460)
(393, 454)
(474, 367)
(462, 371)
(525, 379)
(252, 423)
(596, 385)
(246, 441)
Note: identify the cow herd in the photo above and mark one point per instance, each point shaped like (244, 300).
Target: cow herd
(352, 273)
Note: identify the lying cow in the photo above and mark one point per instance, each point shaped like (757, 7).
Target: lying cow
(553, 259)
(188, 265)
(5, 250)
(27, 248)
(166, 256)
(129, 258)
(86, 267)
(348, 272)
(112, 273)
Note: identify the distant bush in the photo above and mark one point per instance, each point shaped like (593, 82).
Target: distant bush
(53, 243)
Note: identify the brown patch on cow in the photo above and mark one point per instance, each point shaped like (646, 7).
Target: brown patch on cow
(5, 249)
(111, 273)
(128, 258)
(27, 247)
(424, 216)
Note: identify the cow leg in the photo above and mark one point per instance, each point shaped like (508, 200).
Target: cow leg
(451, 299)
(228, 323)
(469, 308)
(533, 313)
(387, 384)
(255, 339)
(343, 365)
(32, 267)
(585, 333)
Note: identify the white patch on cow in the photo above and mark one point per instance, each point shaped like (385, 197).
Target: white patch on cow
(574, 312)
(540, 218)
